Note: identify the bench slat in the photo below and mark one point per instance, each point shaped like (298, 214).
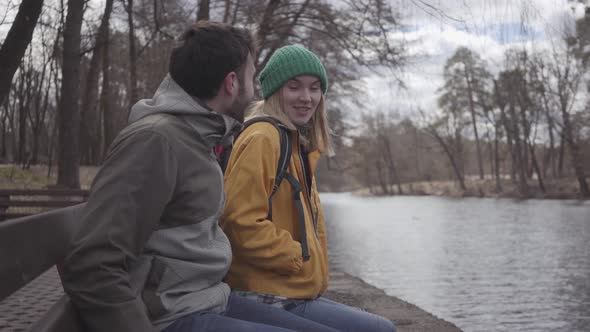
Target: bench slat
(31, 245)
(50, 192)
(13, 215)
(37, 203)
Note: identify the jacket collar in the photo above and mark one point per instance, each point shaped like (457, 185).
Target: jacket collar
(170, 98)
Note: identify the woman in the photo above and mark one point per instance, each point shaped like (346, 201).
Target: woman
(284, 262)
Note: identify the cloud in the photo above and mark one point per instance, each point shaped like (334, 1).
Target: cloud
(488, 28)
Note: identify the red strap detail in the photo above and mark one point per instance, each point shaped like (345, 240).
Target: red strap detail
(218, 150)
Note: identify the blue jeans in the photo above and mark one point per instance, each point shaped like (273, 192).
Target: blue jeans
(246, 315)
(341, 317)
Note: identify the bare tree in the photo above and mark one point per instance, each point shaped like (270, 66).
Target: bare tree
(132, 54)
(69, 115)
(17, 40)
(568, 74)
(90, 124)
(466, 78)
(203, 12)
(492, 112)
(447, 130)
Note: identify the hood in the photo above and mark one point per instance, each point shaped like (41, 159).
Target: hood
(170, 98)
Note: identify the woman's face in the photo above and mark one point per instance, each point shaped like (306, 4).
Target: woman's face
(301, 96)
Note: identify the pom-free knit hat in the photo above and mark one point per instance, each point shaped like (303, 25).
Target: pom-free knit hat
(288, 62)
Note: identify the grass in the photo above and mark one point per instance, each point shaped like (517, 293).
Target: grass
(14, 177)
(36, 177)
(562, 188)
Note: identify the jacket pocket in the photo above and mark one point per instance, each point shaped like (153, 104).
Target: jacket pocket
(149, 294)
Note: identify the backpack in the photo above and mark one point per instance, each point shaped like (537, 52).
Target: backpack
(282, 173)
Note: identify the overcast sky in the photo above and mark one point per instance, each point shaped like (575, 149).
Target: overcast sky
(435, 28)
(488, 27)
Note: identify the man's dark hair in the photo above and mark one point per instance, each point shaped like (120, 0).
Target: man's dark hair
(209, 52)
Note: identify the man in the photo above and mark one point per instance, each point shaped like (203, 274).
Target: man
(149, 254)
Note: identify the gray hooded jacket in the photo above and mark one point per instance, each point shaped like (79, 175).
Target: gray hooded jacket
(149, 249)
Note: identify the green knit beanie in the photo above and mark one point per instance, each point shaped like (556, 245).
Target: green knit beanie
(288, 62)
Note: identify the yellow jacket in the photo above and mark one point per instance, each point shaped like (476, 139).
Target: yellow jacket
(267, 256)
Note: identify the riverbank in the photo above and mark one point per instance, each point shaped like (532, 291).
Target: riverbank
(563, 188)
(13, 177)
(407, 317)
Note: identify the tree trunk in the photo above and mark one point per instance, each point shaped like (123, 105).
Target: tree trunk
(491, 154)
(497, 157)
(368, 177)
(537, 168)
(561, 155)
(474, 123)
(500, 102)
(3, 153)
(38, 126)
(416, 153)
(525, 142)
(459, 153)
(577, 161)
(88, 107)
(69, 115)
(90, 116)
(518, 154)
(265, 27)
(132, 56)
(17, 40)
(382, 179)
(13, 132)
(36, 122)
(22, 111)
(108, 112)
(452, 159)
(203, 12)
(227, 11)
(551, 146)
(235, 13)
(391, 163)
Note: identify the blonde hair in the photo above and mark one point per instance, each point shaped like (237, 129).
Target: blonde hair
(319, 133)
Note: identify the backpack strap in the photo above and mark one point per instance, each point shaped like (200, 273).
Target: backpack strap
(302, 228)
(284, 156)
(282, 173)
(223, 157)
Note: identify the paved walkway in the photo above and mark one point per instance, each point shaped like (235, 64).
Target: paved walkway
(21, 309)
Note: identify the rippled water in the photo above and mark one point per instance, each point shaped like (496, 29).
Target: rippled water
(483, 264)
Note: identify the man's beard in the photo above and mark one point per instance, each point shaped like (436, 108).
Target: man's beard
(238, 108)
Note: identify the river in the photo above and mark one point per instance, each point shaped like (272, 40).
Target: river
(483, 264)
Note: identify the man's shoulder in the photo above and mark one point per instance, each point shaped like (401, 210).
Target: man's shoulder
(157, 121)
(167, 125)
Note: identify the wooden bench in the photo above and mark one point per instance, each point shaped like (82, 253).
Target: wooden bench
(15, 203)
(31, 245)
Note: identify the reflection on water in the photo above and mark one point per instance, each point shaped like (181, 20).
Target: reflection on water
(483, 264)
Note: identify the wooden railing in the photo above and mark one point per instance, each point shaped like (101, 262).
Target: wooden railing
(15, 203)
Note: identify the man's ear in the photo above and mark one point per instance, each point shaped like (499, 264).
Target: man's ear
(230, 83)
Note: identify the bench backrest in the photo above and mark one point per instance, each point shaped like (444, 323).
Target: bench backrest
(30, 246)
(29, 201)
